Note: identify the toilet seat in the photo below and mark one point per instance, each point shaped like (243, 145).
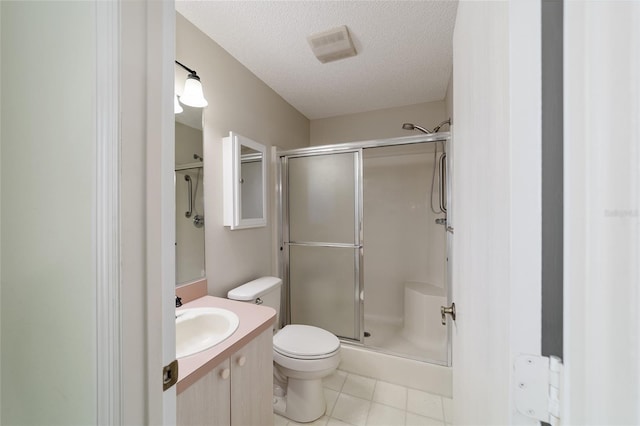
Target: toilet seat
(305, 342)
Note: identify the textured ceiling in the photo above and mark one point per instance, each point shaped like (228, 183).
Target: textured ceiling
(404, 49)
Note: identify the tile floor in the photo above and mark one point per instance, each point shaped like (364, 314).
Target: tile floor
(354, 400)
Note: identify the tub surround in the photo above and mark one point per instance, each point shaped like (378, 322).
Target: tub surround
(253, 321)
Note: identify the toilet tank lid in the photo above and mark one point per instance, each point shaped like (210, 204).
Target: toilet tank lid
(254, 289)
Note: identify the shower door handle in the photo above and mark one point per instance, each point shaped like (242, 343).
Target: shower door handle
(450, 310)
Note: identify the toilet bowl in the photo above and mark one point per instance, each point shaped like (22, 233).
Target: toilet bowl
(302, 354)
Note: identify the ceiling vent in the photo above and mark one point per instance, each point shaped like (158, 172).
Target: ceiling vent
(332, 45)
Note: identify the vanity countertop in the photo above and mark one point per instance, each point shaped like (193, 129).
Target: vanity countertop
(254, 320)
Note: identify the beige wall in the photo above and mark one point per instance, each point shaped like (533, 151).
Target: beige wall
(188, 142)
(240, 102)
(379, 124)
(448, 99)
(48, 190)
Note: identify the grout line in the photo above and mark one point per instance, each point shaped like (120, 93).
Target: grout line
(371, 401)
(406, 399)
(366, 420)
(373, 394)
(346, 375)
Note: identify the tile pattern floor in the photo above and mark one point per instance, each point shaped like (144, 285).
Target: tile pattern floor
(354, 400)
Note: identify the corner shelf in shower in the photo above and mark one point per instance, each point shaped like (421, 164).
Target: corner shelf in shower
(188, 166)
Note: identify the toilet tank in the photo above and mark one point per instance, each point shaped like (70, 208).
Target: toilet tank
(262, 291)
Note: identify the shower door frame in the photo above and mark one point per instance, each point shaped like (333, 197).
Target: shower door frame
(283, 223)
(283, 234)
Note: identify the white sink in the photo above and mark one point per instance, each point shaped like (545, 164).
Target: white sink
(198, 329)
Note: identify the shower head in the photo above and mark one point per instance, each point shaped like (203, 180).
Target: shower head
(197, 157)
(411, 126)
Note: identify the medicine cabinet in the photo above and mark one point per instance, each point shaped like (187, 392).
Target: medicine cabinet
(244, 181)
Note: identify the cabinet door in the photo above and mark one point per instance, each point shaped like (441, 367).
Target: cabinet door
(206, 402)
(252, 383)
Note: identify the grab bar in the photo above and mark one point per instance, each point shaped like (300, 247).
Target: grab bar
(443, 182)
(190, 212)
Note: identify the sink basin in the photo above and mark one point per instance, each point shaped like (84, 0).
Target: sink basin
(198, 329)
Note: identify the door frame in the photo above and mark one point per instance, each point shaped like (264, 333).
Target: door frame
(135, 232)
(160, 133)
(107, 216)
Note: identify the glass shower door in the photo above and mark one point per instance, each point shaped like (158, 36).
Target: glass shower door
(323, 241)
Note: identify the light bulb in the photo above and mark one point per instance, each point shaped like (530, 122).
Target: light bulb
(192, 94)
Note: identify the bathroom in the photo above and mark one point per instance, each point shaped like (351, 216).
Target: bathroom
(90, 289)
(419, 244)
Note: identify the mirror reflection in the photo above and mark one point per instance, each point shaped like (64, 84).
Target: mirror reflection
(251, 183)
(189, 177)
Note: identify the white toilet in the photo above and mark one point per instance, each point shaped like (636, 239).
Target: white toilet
(303, 355)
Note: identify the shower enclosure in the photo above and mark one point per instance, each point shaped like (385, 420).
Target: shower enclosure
(364, 243)
(190, 262)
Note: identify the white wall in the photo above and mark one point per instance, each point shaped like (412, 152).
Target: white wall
(496, 204)
(48, 192)
(379, 124)
(240, 102)
(402, 241)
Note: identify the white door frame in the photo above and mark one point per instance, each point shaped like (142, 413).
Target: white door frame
(160, 207)
(107, 214)
(135, 296)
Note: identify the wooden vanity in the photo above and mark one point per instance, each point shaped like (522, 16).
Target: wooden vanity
(232, 382)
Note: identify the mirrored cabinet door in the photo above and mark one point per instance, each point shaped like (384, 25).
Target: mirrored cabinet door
(244, 180)
(251, 165)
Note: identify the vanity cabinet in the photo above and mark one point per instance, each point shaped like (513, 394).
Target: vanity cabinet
(238, 392)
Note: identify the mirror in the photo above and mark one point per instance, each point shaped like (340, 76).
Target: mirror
(244, 180)
(189, 177)
(251, 183)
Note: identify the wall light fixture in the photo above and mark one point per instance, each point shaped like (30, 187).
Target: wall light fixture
(192, 94)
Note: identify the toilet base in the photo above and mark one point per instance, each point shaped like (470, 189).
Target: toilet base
(304, 401)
